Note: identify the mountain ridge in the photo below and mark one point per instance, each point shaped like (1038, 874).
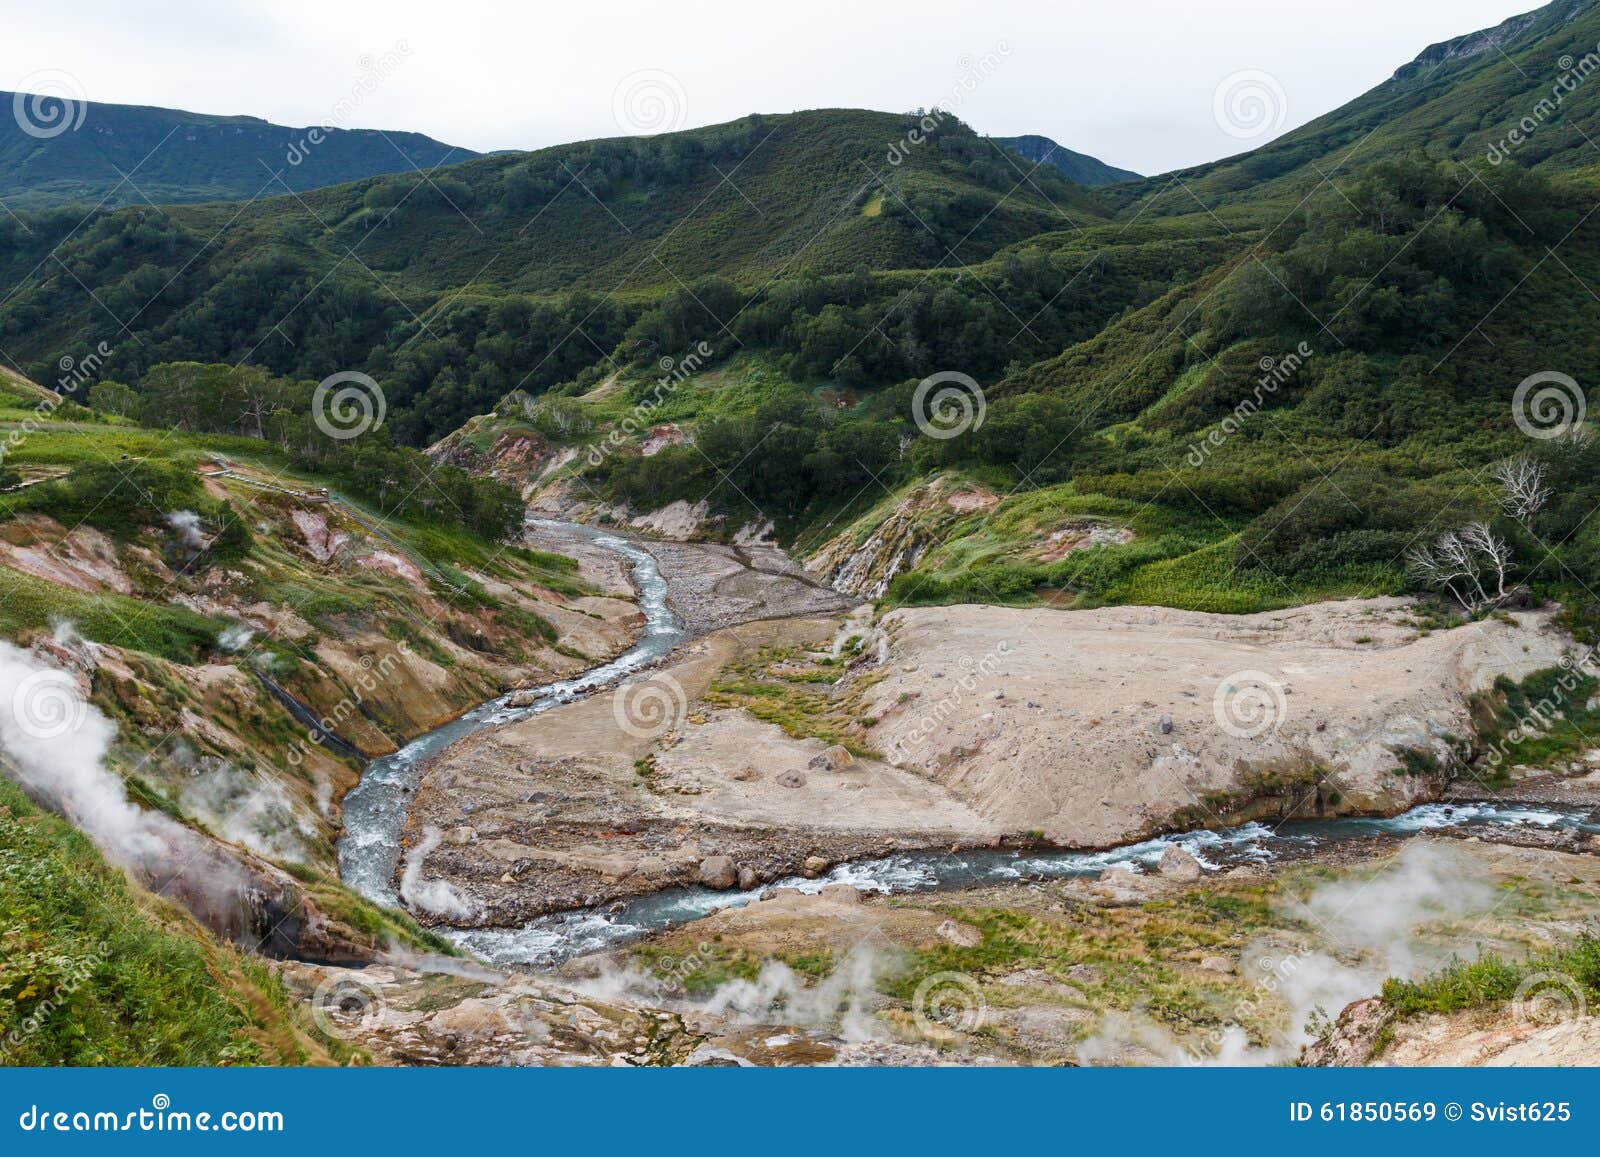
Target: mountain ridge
(121, 154)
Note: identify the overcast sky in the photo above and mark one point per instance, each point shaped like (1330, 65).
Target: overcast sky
(1133, 82)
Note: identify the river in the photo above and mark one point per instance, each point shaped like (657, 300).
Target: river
(376, 809)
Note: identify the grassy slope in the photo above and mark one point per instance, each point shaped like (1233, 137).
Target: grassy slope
(94, 971)
(321, 627)
(1444, 102)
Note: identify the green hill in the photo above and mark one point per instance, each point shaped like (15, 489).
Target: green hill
(486, 269)
(1466, 98)
(88, 153)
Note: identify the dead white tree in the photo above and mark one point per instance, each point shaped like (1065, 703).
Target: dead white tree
(1523, 493)
(1429, 569)
(1457, 558)
(1492, 554)
(1459, 561)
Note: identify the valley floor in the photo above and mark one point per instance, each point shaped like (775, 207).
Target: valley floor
(819, 739)
(790, 745)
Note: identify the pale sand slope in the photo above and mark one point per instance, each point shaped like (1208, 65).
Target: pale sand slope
(1075, 745)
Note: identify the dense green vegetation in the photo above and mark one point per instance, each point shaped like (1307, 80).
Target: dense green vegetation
(1280, 373)
(95, 972)
(249, 402)
(1571, 975)
(455, 291)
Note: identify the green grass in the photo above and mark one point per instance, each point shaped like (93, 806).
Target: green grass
(94, 972)
(165, 629)
(1491, 980)
(781, 687)
(1536, 721)
(1135, 958)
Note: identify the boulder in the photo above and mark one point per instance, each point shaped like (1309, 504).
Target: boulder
(1165, 725)
(791, 779)
(813, 866)
(1218, 964)
(961, 935)
(718, 872)
(831, 759)
(1354, 1038)
(1178, 864)
(747, 878)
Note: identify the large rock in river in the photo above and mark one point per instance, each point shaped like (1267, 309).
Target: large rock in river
(1178, 864)
(718, 872)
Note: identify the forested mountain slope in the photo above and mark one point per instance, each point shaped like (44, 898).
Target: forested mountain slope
(1188, 363)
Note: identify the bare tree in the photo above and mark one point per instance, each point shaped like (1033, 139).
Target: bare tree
(1523, 492)
(1431, 571)
(1490, 551)
(1460, 560)
(1455, 555)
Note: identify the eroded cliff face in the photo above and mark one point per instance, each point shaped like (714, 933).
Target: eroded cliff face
(216, 673)
(864, 558)
(516, 455)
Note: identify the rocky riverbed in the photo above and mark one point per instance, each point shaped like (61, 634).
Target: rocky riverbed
(1177, 965)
